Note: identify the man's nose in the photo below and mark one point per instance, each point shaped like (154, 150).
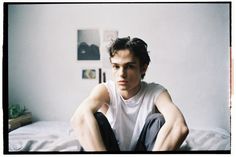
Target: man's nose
(123, 72)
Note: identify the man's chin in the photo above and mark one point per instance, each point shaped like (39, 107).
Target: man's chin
(122, 88)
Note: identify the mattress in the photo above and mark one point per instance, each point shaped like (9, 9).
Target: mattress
(58, 136)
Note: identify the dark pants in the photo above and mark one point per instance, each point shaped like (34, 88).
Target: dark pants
(146, 139)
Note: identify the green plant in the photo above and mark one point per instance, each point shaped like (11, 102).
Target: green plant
(15, 110)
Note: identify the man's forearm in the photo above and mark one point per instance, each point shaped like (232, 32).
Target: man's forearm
(88, 133)
(170, 137)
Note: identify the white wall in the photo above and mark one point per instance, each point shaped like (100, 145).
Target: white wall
(188, 44)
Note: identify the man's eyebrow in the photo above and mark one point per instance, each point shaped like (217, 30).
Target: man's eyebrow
(125, 63)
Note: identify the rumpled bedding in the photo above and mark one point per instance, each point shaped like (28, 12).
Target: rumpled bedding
(47, 136)
(210, 140)
(57, 136)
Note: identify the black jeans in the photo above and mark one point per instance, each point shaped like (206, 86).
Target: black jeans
(146, 139)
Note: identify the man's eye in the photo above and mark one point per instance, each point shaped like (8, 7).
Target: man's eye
(130, 66)
(115, 66)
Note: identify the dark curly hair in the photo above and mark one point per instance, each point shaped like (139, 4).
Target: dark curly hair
(135, 45)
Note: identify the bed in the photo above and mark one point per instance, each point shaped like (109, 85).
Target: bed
(57, 136)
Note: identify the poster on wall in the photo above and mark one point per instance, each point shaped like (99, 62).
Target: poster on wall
(88, 43)
(108, 36)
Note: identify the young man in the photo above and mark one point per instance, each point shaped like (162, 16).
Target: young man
(136, 116)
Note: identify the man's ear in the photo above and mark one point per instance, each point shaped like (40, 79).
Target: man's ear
(144, 69)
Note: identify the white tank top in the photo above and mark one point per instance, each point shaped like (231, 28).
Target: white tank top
(127, 117)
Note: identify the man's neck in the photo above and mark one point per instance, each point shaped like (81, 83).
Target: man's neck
(126, 94)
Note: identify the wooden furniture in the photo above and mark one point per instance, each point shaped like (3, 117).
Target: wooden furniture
(19, 121)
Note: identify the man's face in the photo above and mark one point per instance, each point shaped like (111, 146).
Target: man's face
(126, 70)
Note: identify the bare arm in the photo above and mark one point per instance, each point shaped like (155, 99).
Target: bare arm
(175, 130)
(84, 123)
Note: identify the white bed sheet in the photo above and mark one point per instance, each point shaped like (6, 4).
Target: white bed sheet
(43, 136)
(58, 136)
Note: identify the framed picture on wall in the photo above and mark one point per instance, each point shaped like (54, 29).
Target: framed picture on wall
(108, 36)
(88, 74)
(88, 43)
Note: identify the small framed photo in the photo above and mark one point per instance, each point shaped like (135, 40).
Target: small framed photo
(88, 74)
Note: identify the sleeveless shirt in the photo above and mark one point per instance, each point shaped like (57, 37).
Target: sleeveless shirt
(127, 117)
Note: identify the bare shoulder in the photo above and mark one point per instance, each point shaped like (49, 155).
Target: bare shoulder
(164, 103)
(97, 98)
(99, 92)
(164, 97)
(169, 110)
